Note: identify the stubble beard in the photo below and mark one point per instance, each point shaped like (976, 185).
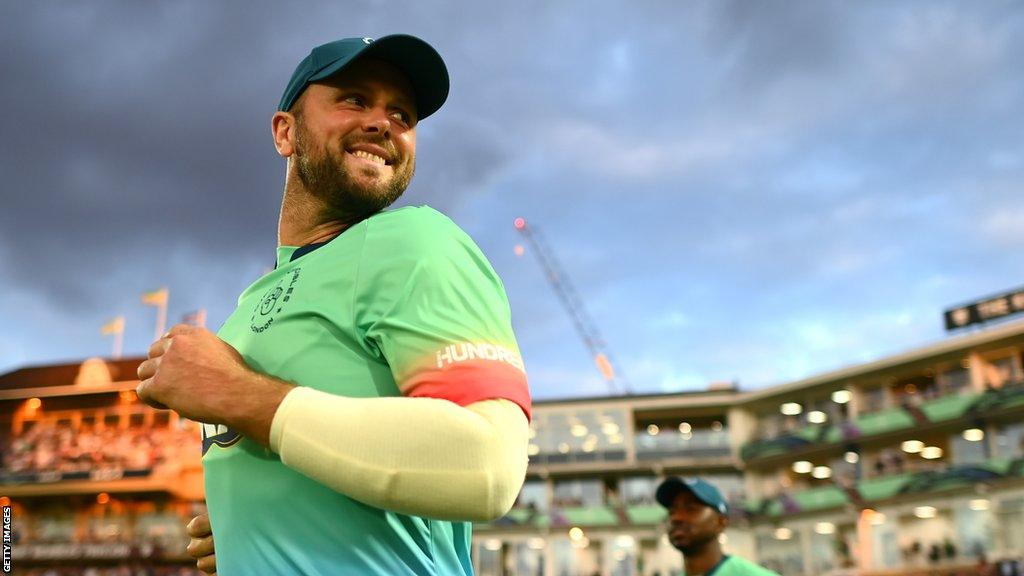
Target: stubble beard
(326, 177)
(696, 546)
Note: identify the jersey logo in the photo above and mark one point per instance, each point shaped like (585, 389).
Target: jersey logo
(465, 351)
(220, 435)
(273, 302)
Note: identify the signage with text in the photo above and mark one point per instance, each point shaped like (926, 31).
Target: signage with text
(985, 310)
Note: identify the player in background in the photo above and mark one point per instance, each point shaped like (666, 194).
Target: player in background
(366, 400)
(697, 516)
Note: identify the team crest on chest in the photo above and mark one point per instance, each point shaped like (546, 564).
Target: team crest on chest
(273, 302)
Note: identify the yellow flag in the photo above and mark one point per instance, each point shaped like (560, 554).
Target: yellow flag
(115, 326)
(156, 298)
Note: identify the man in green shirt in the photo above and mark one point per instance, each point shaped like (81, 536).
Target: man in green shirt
(366, 400)
(697, 516)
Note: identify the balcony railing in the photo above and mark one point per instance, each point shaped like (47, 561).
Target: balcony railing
(867, 492)
(697, 444)
(907, 417)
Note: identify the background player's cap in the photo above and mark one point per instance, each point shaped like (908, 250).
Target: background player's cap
(417, 59)
(705, 492)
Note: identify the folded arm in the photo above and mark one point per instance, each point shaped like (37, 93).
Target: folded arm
(414, 455)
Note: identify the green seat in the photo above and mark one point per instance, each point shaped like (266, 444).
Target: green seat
(646, 514)
(884, 487)
(884, 421)
(820, 498)
(948, 407)
(590, 516)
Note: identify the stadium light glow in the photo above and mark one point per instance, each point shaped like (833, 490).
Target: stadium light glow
(791, 409)
(974, 434)
(653, 430)
(578, 430)
(803, 467)
(536, 543)
(576, 533)
(493, 544)
(563, 448)
(685, 428)
(821, 472)
(625, 541)
(912, 446)
(716, 426)
(33, 404)
(877, 519)
(610, 428)
(825, 528)
(783, 533)
(842, 396)
(533, 450)
(615, 439)
(851, 457)
(979, 504)
(817, 417)
(931, 452)
(925, 512)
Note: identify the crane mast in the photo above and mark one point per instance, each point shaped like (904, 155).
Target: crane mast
(585, 327)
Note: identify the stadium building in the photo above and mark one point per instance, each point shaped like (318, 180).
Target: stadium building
(912, 464)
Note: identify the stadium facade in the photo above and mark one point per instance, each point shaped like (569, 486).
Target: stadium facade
(911, 464)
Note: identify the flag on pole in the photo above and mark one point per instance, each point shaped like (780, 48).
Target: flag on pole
(155, 298)
(158, 298)
(115, 326)
(196, 318)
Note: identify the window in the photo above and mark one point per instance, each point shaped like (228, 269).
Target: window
(638, 490)
(955, 380)
(573, 493)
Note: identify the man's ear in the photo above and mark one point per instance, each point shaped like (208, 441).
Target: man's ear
(282, 126)
(723, 523)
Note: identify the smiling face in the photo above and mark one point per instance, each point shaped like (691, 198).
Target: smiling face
(354, 142)
(692, 524)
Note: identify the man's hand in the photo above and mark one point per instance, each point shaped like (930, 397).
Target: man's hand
(202, 378)
(200, 545)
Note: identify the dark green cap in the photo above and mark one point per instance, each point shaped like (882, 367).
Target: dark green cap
(417, 59)
(703, 491)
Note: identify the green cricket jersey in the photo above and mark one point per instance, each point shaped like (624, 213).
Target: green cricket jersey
(729, 566)
(403, 303)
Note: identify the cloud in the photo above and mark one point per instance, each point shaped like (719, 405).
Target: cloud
(1005, 226)
(751, 190)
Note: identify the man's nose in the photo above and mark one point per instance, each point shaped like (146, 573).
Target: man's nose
(377, 122)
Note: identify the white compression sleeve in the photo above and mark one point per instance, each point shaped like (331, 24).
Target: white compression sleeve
(420, 456)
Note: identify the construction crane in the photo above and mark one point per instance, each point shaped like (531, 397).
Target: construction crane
(585, 326)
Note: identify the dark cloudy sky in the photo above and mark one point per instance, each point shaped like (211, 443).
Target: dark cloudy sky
(750, 190)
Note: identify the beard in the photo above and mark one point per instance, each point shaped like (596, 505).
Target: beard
(695, 545)
(326, 177)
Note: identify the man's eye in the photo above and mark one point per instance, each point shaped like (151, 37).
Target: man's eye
(400, 116)
(357, 100)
